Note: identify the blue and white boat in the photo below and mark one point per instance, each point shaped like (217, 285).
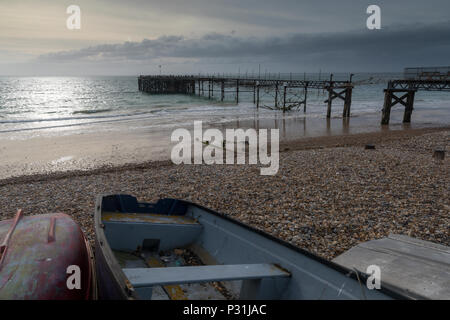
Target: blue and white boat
(174, 249)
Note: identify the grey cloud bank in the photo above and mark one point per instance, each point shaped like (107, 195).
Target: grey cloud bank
(191, 36)
(390, 48)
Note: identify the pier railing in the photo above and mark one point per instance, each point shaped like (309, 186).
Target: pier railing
(286, 76)
(427, 73)
(427, 85)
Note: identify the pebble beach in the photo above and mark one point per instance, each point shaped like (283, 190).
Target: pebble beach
(329, 194)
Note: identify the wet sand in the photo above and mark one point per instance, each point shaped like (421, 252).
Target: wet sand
(49, 152)
(43, 155)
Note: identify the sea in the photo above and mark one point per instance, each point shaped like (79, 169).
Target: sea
(46, 106)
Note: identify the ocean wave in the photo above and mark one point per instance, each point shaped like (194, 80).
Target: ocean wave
(78, 124)
(91, 111)
(124, 115)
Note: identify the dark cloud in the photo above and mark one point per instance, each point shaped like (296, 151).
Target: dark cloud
(391, 47)
(289, 15)
(221, 36)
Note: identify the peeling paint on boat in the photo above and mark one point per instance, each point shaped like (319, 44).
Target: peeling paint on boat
(35, 268)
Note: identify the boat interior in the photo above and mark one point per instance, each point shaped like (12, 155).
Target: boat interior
(177, 250)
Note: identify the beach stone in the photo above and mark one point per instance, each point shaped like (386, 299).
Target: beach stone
(306, 203)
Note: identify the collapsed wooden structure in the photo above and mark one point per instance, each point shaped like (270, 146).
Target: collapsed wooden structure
(402, 91)
(285, 95)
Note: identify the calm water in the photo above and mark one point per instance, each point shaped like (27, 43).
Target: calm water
(33, 106)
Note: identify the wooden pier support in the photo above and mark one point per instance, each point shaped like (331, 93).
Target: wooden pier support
(347, 102)
(276, 95)
(391, 99)
(209, 89)
(403, 91)
(330, 99)
(409, 106)
(254, 94)
(304, 99)
(257, 95)
(345, 94)
(222, 90)
(386, 112)
(330, 96)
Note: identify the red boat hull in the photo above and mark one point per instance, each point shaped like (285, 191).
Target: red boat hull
(37, 261)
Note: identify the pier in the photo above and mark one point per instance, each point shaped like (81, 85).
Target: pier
(292, 94)
(284, 94)
(403, 91)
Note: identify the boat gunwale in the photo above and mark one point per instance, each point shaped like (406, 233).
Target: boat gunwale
(390, 290)
(113, 267)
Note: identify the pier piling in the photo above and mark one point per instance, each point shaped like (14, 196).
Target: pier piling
(237, 91)
(304, 98)
(347, 102)
(222, 90)
(257, 95)
(330, 99)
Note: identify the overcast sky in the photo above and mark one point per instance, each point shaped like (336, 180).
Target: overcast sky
(190, 36)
